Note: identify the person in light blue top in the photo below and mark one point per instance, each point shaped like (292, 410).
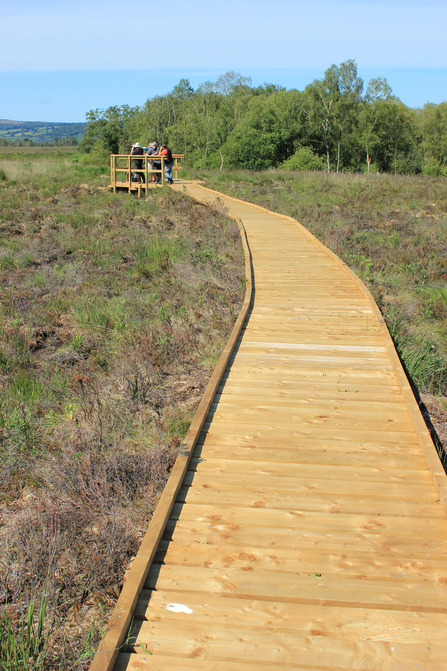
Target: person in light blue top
(155, 165)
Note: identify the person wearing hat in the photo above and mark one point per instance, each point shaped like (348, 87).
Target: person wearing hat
(137, 150)
(155, 165)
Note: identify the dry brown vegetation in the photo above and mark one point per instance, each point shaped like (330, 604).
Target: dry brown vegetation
(114, 312)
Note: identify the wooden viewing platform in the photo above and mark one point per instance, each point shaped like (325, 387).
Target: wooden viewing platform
(121, 171)
(304, 523)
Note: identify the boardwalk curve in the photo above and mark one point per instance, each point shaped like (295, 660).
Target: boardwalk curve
(304, 523)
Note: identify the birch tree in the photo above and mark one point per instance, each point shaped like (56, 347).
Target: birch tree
(378, 90)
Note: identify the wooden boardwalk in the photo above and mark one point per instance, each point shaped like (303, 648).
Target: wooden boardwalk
(304, 524)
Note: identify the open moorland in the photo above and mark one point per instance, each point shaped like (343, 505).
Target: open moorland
(30, 152)
(114, 313)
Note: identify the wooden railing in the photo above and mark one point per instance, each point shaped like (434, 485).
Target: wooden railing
(121, 171)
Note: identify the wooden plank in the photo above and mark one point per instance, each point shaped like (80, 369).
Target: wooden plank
(311, 520)
(290, 415)
(267, 437)
(281, 346)
(337, 401)
(157, 662)
(244, 495)
(309, 390)
(351, 623)
(315, 360)
(330, 374)
(360, 565)
(256, 434)
(289, 476)
(288, 648)
(399, 594)
(321, 541)
(351, 454)
(327, 335)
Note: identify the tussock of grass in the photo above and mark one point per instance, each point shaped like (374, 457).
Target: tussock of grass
(113, 312)
(23, 637)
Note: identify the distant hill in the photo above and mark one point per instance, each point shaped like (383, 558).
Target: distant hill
(39, 131)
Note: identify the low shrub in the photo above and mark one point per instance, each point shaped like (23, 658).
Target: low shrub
(304, 159)
(433, 169)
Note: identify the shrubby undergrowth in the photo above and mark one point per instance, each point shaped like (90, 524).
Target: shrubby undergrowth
(114, 312)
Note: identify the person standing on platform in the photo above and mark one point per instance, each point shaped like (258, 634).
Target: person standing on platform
(169, 162)
(137, 150)
(155, 165)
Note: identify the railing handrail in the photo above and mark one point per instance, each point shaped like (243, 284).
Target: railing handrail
(145, 170)
(137, 156)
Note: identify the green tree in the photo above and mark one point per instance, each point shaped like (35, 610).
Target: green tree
(398, 148)
(108, 130)
(267, 134)
(433, 125)
(332, 108)
(378, 91)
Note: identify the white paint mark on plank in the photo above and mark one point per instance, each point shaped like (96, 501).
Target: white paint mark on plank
(178, 608)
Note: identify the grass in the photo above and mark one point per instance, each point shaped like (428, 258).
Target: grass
(113, 312)
(23, 637)
(37, 151)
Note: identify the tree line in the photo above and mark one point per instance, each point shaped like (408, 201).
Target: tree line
(71, 141)
(40, 133)
(334, 124)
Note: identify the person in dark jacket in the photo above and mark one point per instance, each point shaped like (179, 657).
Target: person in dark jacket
(137, 150)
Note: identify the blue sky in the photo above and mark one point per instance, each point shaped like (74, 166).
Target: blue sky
(59, 59)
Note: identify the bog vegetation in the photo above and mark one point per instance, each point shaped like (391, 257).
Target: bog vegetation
(114, 312)
(336, 124)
